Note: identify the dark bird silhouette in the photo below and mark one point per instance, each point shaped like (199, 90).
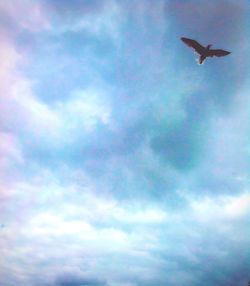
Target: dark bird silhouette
(204, 52)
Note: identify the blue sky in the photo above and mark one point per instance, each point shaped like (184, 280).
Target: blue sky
(123, 162)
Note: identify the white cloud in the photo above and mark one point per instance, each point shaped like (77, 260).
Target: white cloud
(10, 150)
(22, 111)
(55, 222)
(38, 118)
(20, 108)
(84, 110)
(214, 209)
(63, 226)
(105, 22)
(238, 207)
(26, 14)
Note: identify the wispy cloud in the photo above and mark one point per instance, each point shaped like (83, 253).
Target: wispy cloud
(123, 162)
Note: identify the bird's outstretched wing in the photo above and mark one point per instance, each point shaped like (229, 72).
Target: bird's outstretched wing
(194, 44)
(219, 53)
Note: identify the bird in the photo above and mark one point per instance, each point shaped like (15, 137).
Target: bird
(204, 52)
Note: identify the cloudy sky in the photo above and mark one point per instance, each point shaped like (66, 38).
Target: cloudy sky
(122, 161)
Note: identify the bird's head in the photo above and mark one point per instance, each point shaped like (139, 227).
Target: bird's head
(209, 46)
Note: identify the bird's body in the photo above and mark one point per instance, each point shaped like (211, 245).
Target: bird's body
(204, 52)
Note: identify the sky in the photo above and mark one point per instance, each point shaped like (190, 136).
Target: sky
(122, 161)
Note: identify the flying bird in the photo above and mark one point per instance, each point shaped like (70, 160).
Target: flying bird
(202, 51)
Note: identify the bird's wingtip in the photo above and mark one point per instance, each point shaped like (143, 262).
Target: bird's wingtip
(185, 40)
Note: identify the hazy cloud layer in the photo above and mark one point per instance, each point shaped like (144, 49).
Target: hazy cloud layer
(122, 161)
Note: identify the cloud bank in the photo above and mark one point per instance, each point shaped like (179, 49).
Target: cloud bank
(122, 162)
